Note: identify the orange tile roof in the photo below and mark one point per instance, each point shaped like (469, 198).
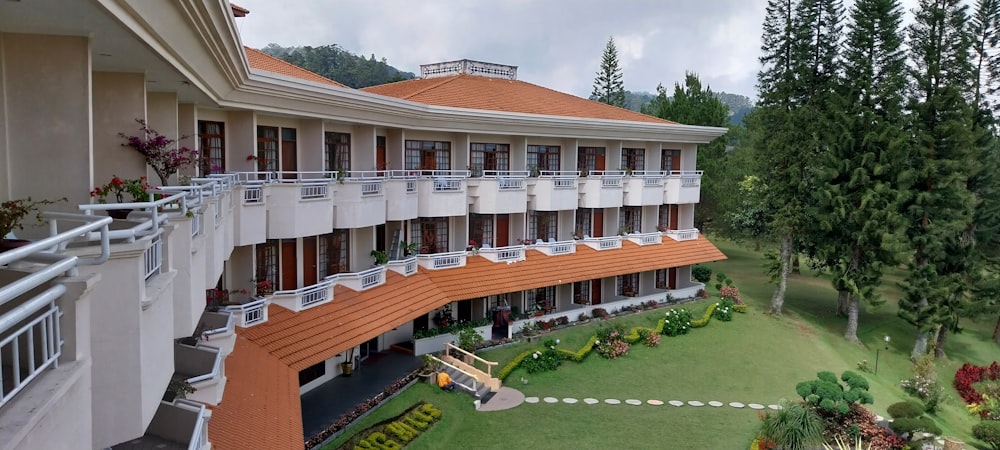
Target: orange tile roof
(308, 337)
(496, 94)
(260, 407)
(262, 61)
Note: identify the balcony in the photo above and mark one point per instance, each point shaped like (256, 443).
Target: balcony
(682, 187)
(498, 192)
(442, 193)
(644, 188)
(401, 195)
(201, 367)
(645, 238)
(305, 297)
(299, 208)
(250, 213)
(181, 425)
(248, 314)
(602, 243)
(360, 281)
(438, 261)
(555, 248)
(509, 254)
(404, 267)
(218, 329)
(682, 235)
(601, 189)
(554, 191)
(360, 200)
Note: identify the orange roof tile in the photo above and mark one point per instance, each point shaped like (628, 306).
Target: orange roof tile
(308, 337)
(260, 408)
(496, 94)
(262, 61)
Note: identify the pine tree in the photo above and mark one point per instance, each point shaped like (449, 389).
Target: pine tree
(790, 128)
(860, 225)
(608, 86)
(940, 208)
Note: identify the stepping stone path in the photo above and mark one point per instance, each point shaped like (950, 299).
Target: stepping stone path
(612, 401)
(736, 404)
(756, 406)
(655, 402)
(591, 401)
(695, 403)
(774, 407)
(531, 399)
(634, 402)
(677, 403)
(570, 400)
(551, 400)
(715, 403)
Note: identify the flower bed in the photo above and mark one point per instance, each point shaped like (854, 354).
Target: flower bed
(968, 375)
(397, 431)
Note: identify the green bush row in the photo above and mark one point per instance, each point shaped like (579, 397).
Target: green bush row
(406, 427)
(705, 318)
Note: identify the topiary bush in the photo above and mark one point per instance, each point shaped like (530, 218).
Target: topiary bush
(988, 431)
(905, 409)
(909, 425)
(701, 274)
(830, 397)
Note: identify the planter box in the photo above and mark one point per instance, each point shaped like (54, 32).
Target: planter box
(435, 344)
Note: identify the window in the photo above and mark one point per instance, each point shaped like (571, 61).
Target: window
(428, 155)
(542, 299)
(493, 301)
(668, 218)
(212, 137)
(542, 225)
(543, 157)
(312, 372)
(489, 157)
(590, 159)
(337, 152)
(665, 278)
(333, 253)
(481, 229)
(630, 220)
(628, 285)
(581, 292)
(430, 234)
(633, 159)
(267, 149)
(267, 262)
(671, 160)
(584, 217)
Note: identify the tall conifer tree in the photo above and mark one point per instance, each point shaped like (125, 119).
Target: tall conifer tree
(940, 208)
(608, 85)
(860, 227)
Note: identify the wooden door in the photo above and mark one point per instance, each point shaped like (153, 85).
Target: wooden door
(599, 161)
(288, 159)
(427, 161)
(502, 238)
(672, 278)
(289, 273)
(595, 292)
(598, 222)
(465, 310)
(310, 275)
(673, 217)
(380, 163)
(675, 163)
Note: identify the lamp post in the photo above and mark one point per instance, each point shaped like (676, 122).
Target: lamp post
(876, 353)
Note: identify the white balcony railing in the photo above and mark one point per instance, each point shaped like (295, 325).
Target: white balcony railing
(249, 314)
(312, 191)
(645, 238)
(555, 248)
(360, 281)
(253, 194)
(442, 260)
(503, 254)
(682, 235)
(405, 267)
(650, 178)
(507, 180)
(305, 297)
(565, 179)
(603, 243)
(609, 178)
(153, 258)
(689, 178)
(30, 332)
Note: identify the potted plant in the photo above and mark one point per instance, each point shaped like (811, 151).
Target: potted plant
(160, 152)
(12, 215)
(136, 188)
(263, 287)
(380, 257)
(409, 248)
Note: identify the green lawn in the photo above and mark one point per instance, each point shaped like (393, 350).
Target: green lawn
(753, 359)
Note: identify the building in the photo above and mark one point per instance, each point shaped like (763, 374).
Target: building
(470, 189)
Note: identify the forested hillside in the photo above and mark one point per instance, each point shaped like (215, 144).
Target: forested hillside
(335, 63)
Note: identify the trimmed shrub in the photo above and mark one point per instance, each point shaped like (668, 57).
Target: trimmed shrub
(988, 431)
(905, 409)
(676, 322)
(701, 274)
(705, 318)
(908, 425)
(505, 372)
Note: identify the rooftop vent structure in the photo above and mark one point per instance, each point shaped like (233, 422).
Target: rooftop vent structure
(468, 67)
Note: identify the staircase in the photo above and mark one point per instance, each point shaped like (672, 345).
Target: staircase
(463, 371)
(469, 384)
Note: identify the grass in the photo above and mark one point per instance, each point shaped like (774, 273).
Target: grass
(755, 358)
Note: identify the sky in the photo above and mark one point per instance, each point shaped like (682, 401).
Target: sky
(555, 43)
